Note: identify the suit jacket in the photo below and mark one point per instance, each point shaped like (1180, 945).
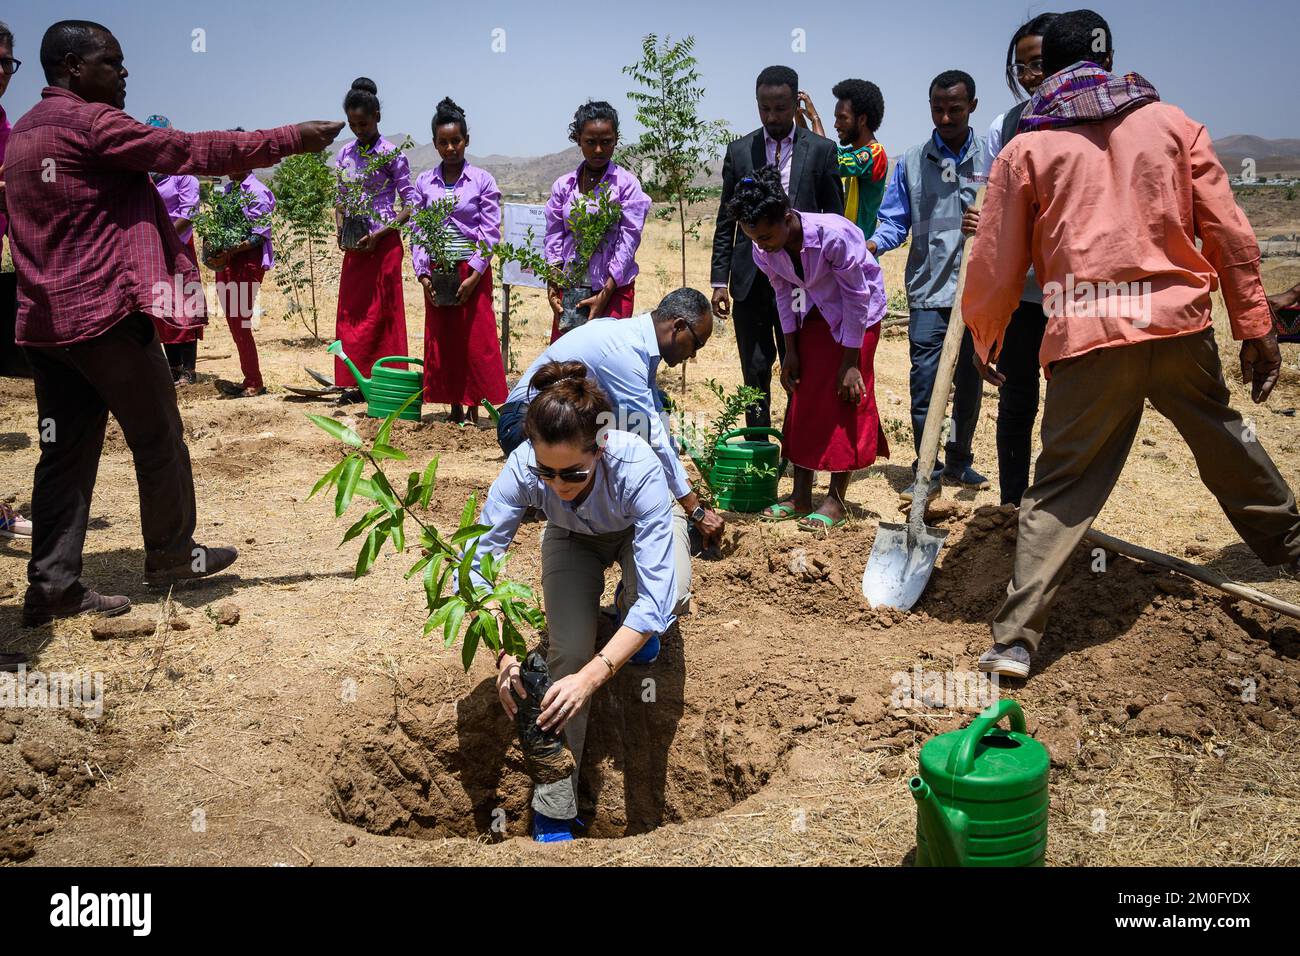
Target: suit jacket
(815, 186)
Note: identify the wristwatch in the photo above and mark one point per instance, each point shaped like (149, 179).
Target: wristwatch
(697, 515)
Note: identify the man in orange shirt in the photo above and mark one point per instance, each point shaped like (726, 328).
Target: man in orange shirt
(1107, 195)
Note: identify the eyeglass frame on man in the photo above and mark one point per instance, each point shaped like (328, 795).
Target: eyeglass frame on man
(6, 61)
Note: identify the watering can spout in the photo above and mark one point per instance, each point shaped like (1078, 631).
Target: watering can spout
(336, 348)
(944, 830)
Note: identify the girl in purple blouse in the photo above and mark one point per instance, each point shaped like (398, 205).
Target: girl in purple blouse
(613, 269)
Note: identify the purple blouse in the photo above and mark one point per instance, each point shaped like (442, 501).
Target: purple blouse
(180, 194)
(384, 184)
(616, 256)
(262, 203)
(477, 214)
(841, 278)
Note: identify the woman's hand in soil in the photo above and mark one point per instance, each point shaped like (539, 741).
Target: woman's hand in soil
(509, 687)
(567, 696)
(851, 385)
(790, 371)
(467, 287)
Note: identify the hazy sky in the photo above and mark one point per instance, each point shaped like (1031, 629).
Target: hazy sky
(1231, 65)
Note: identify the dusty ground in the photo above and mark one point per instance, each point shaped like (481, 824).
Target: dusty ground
(322, 728)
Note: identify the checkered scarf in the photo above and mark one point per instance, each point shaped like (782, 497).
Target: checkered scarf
(1085, 93)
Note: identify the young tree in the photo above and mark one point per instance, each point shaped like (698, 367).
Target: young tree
(304, 189)
(677, 146)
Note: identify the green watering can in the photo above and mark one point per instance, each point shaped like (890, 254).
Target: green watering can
(387, 389)
(734, 480)
(981, 797)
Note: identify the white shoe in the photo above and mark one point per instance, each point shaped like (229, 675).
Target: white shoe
(12, 524)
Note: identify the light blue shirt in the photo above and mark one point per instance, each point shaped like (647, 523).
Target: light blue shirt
(624, 356)
(628, 491)
(894, 221)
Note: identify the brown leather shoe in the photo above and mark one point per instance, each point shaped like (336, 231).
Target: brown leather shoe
(211, 561)
(92, 602)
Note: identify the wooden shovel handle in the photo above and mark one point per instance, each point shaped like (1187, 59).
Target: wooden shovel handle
(943, 377)
(1194, 571)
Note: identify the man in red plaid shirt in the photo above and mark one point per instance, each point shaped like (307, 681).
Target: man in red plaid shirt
(97, 257)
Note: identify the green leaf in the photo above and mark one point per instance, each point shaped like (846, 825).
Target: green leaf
(491, 636)
(337, 429)
(328, 479)
(512, 642)
(439, 617)
(347, 484)
(396, 526)
(361, 525)
(471, 531)
(381, 450)
(512, 591)
(430, 474)
(412, 490)
(451, 629)
(472, 636)
(369, 550)
(467, 565)
(467, 515)
(417, 567)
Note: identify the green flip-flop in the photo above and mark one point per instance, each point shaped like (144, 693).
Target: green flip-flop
(818, 519)
(782, 512)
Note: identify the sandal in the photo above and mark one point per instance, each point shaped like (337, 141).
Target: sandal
(818, 522)
(782, 511)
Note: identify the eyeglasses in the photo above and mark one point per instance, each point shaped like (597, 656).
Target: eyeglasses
(698, 344)
(570, 476)
(1033, 66)
(10, 65)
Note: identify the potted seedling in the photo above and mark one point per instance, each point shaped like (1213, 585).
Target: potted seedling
(354, 198)
(494, 612)
(590, 223)
(428, 229)
(221, 223)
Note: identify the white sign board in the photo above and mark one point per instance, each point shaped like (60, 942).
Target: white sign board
(516, 219)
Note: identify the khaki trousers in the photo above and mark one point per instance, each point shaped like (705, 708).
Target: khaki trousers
(573, 580)
(1094, 404)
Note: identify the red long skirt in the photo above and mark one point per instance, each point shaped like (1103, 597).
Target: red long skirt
(238, 285)
(619, 306)
(462, 356)
(170, 334)
(822, 431)
(372, 311)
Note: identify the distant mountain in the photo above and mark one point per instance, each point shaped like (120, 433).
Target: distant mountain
(1270, 155)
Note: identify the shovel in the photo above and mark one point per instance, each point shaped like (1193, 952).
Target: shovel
(903, 555)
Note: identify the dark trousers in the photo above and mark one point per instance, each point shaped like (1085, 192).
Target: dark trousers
(182, 355)
(761, 343)
(122, 371)
(1018, 398)
(510, 426)
(12, 361)
(925, 333)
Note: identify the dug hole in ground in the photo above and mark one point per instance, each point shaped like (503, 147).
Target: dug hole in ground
(284, 713)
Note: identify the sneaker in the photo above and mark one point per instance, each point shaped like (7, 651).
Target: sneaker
(12, 524)
(908, 493)
(92, 602)
(214, 561)
(1006, 660)
(550, 830)
(967, 477)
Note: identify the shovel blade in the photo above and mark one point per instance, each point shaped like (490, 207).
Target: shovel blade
(324, 380)
(900, 565)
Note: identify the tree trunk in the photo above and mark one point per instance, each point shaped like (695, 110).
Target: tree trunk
(311, 268)
(681, 215)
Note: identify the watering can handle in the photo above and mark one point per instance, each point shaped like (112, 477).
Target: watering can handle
(742, 432)
(396, 358)
(961, 761)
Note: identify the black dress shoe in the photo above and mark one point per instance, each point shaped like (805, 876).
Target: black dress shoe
(208, 562)
(92, 602)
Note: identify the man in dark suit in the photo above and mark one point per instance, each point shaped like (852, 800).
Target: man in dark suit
(810, 173)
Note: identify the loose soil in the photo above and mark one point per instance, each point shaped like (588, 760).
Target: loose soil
(779, 725)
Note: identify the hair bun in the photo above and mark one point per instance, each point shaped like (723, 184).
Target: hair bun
(365, 84)
(553, 373)
(447, 104)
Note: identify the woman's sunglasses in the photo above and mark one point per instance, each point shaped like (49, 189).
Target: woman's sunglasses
(570, 476)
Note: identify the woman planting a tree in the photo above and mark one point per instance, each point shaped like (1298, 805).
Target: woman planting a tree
(372, 312)
(611, 270)
(462, 356)
(605, 499)
(831, 297)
